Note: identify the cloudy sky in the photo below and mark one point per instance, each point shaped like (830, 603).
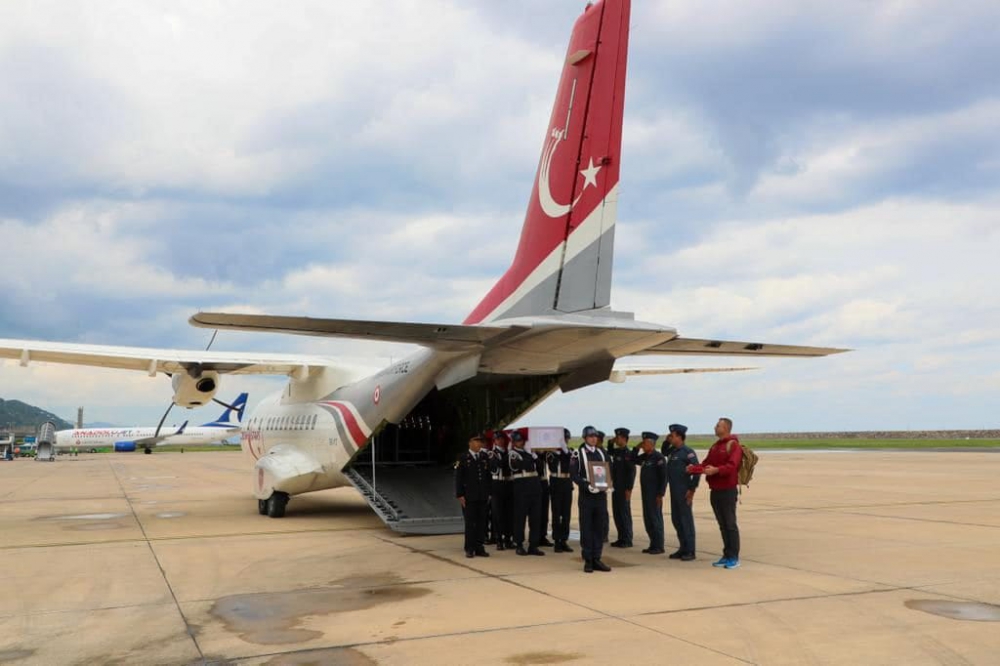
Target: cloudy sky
(809, 173)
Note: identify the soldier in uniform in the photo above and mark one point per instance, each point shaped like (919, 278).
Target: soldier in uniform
(592, 502)
(561, 488)
(503, 497)
(682, 486)
(543, 477)
(623, 475)
(472, 488)
(527, 493)
(600, 444)
(653, 480)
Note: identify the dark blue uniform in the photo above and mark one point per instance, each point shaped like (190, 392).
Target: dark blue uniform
(653, 480)
(527, 494)
(473, 481)
(561, 491)
(623, 474)
(593, 506)
(502, 500)
(680, 483)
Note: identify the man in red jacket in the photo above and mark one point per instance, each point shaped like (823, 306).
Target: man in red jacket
(721, 467)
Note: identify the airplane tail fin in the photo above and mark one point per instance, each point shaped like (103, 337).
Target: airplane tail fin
(563, 260)
(226, 419)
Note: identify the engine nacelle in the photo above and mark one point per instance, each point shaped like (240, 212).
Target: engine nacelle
(124, 446)
(195, 391)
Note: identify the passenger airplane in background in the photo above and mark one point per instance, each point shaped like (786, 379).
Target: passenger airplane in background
(546, 325)
(128, 439)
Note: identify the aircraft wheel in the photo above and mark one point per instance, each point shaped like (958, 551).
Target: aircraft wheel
(262, 507)
(276, 504)
(93, 450)
(147, 450)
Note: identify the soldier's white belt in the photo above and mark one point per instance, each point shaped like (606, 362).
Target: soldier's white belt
(559, 476)
(498, 477)
(523, 475)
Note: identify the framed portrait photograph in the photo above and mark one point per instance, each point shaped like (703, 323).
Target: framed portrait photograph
(599, 474)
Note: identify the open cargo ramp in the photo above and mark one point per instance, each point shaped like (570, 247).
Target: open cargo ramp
(411, 499)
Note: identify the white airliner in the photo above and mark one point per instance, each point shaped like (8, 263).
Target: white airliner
(546, 325)
(128, 439)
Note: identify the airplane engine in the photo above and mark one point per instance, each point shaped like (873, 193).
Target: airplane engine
(124, 446)
(195, 389)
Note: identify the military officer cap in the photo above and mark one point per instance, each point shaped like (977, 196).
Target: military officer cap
(500, 434)
(650, 435)
(624, 432)
(590, 430)
(679, 429)
(516, 436)
(567, 434)
(600, 434)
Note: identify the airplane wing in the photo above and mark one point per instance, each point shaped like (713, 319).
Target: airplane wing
(438, 336)
(153, 441)
(694, 346)
(153, 361)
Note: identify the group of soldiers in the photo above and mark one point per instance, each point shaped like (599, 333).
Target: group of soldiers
(503, 485)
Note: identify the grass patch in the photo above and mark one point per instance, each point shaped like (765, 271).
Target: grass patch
(852, 443)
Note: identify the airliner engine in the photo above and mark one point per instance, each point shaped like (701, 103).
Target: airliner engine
(195, 388)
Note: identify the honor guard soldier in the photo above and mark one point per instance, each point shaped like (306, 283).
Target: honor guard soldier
(561, 490)
(623, 475)
(653, 480)
(503, 494)
(472, 488)
(527, 493)
(592, 502)
(541, 466)
(600, 444)
(682, 486)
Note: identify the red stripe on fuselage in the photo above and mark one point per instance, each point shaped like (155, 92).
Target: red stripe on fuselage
(352, 423)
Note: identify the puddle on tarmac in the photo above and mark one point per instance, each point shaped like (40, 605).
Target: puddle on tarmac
(170, 514)
(7, 656)
(957, 610)
(525, 658)
(275, 618)
(339, 656)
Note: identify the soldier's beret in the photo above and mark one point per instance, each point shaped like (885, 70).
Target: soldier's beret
(650, 435)
(678, 428)
(624, 432)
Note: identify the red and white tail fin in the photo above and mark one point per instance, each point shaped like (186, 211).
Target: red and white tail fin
(563, 261)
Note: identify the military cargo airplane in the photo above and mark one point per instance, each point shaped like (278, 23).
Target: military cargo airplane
(546, 325)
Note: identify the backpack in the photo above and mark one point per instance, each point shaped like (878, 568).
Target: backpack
(747, 463)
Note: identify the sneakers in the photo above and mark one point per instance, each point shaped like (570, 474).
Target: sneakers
(732, 563)
(723, 561)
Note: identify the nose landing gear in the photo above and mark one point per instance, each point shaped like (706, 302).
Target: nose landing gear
(273, 506)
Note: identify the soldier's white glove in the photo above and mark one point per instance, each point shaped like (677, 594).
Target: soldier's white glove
(527, 447)
(564, 448)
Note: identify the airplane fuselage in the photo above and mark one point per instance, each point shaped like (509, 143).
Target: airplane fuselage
(87, 438)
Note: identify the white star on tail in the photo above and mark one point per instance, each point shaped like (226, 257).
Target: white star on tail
(590, 174)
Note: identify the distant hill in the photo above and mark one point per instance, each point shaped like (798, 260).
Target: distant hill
(21, 415)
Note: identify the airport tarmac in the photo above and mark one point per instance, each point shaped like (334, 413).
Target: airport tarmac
(867, 557)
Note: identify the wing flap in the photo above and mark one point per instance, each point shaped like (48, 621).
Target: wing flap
(438, 336)
(695, 346)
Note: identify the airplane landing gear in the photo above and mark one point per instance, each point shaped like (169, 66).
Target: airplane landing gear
(147, 450)
(262, 507)
(276, 503)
